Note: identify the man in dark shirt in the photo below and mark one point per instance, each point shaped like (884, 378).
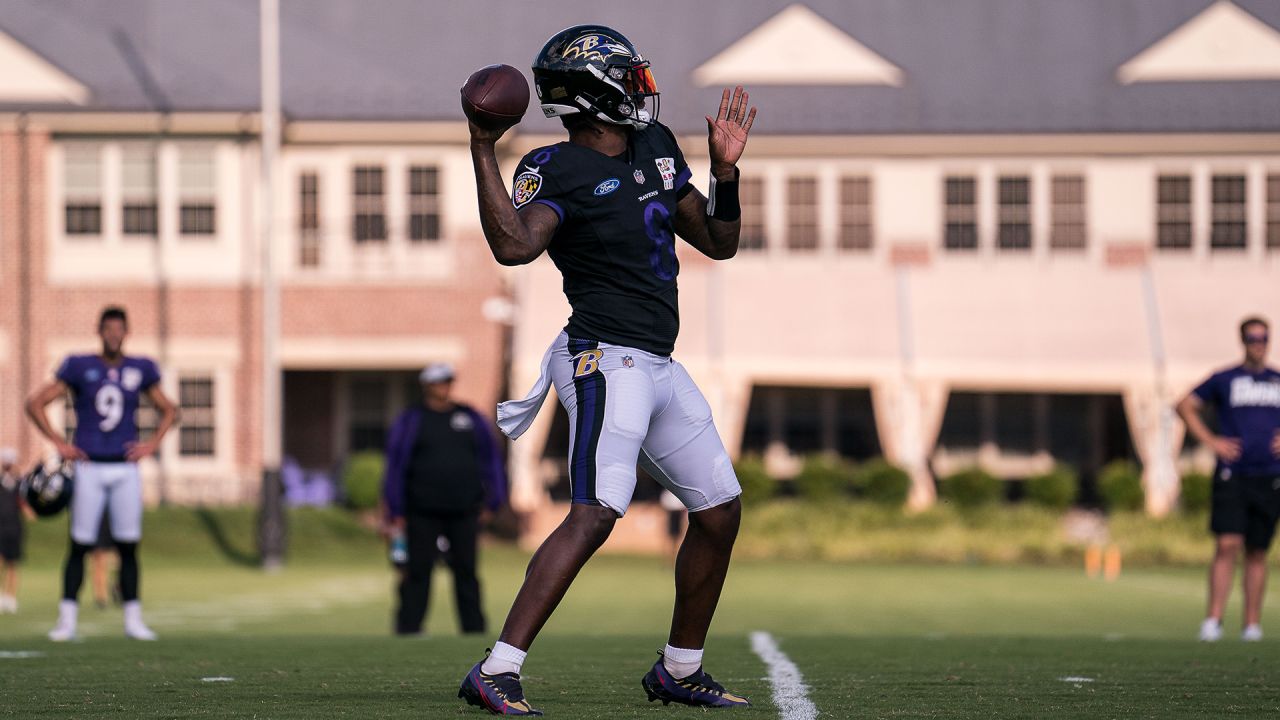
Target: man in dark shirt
(12, 511)
(442, 467)
(1246, 484)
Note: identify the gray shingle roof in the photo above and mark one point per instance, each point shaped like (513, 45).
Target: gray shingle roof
(1016, 66)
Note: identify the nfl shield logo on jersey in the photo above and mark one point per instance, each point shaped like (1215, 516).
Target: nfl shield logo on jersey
(627, 361)
(639, 176)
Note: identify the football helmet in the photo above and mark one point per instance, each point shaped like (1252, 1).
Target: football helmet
(48, 488)
(596, 70)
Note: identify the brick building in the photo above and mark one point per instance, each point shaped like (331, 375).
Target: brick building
(984, 231)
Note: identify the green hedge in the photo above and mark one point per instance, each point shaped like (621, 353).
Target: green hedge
(362, 479)
(1056, 489)
(883, 483)
(1120, 485)
(824, 478)
(756, 484)
(1197, 489)
(971, 489)
(852, 531)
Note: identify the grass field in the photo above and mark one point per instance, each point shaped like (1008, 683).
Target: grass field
(872, 641)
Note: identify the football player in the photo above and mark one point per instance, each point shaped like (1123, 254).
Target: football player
(607, 205)
(105, 389)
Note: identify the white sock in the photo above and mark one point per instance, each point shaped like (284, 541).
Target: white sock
(133, 612)
(68, 612)
(504, 659)
(681, 662)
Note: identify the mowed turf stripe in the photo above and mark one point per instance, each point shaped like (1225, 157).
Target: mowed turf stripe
(789, 692)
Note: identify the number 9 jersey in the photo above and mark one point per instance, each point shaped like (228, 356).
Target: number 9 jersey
(615, 245)
(106, 402)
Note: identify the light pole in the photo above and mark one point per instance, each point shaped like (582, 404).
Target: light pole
(271, 527)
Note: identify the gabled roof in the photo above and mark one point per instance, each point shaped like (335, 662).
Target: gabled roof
(797, 47)
(963, 66)
(1220, 44)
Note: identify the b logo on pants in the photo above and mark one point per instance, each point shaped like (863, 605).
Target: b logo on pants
(587, 362)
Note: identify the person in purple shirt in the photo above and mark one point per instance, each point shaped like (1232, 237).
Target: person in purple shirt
(442, 467)
(1246, 482)
(106, 390)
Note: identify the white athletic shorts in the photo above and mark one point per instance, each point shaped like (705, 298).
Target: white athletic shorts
(626, 405)
(116, 486)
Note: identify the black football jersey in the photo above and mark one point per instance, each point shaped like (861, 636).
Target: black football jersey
(615, 245)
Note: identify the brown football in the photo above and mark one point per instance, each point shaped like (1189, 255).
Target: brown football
(495, 96)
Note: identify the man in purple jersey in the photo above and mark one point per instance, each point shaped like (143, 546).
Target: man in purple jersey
(1246, 482)
(106, 390)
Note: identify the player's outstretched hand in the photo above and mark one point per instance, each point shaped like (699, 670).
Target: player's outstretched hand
(727, 133)
(1275, 444)
(67, 451)
(133, 452)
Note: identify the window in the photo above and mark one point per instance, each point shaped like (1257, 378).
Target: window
(1015, 213)
(1068, 231)
(309, 219)
(962, 214)
(855, 213)
(370, 213)
(751, 198)
(368, 408)
(82, 168)
(138, 189)
(1273, 212)
(196, 434)
(1173, 212)
(1229, 222)
(197, 191)
(802, 213)
(424, 203)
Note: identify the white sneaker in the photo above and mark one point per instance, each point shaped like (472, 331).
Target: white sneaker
(1210, 630)
(65, 630)
(138, 631)
(8, 604)
(1252, 633)
(134, 628)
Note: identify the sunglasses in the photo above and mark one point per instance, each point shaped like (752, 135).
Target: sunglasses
(1256, 339)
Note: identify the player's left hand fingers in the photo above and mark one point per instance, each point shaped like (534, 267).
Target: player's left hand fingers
(742, 108)
(735, 106)
(751, 118)
(723, 112)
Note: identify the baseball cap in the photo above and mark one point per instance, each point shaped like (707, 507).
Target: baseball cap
(436, 372)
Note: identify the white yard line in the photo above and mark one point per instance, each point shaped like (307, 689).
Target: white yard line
(790, 693)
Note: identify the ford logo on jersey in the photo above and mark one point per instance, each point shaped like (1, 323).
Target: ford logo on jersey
(608, 186)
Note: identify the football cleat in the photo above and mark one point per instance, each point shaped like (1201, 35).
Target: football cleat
(500, 694)
(63, 633)
(138, 631)
(699, 689)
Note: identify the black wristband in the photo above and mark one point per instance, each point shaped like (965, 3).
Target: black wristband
(722, 203)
